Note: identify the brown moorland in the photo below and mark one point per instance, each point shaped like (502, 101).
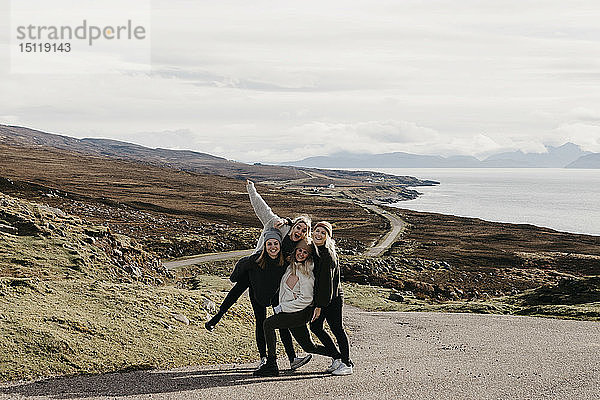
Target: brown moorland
(176, 213)
(147, 201)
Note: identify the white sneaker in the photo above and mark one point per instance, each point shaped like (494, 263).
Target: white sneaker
(335, 364)
(343, 369)
(263, 361)
(300, 361)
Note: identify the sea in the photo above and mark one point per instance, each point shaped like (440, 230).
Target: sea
(562, 199)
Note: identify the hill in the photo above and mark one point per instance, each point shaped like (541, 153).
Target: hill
(82, 289)
(77, 298)
(174, 212)
(554, 157)
(590, 161)
(191, 161)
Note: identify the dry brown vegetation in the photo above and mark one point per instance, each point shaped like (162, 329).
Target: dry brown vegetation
(170, 201)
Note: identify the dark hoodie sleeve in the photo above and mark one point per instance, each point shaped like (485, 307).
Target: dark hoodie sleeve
(240, 271)
(323, 281)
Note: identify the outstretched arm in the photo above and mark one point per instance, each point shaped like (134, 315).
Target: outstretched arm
(261, 208)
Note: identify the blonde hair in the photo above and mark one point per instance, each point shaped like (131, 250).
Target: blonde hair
(306, 220)
(330, 246)
(302, 266)
(329, 241)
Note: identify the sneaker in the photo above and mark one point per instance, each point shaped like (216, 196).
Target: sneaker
(263, 361)
(269, 368)
(299, 361)
(209, 327)
(343, 369)
(335, 364)
(211, 323)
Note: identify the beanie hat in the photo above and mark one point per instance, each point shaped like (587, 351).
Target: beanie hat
(273, 233)
(325, 225)
(306, 245)
(301, 218)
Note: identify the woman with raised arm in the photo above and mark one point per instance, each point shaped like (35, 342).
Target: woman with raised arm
(295, 309)
(292, 231)
(329, 300)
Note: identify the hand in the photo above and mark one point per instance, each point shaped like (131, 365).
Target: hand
(249, 182)
(316, 314)
(279, 223)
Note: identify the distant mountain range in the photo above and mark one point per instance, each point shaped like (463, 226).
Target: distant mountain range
(568, 155)
(190, 161)
(185, 160)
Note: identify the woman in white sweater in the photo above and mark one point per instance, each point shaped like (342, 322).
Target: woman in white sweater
(294, 310)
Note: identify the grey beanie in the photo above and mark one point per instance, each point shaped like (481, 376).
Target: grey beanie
(273, 233)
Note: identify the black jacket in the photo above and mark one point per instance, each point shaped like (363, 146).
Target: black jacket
(240, 271)
(265, 282)
(287, 247)
(327, 278)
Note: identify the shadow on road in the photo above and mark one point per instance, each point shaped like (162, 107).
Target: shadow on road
(145, 382)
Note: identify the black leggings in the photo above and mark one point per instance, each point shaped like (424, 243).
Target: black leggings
(260, 314)
(333, 314)
(296, 322)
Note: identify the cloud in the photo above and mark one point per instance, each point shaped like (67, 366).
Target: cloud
(368, 136)
(286, 80)
(586, 135)
(396, 131)
(178, 139)
(584, 114)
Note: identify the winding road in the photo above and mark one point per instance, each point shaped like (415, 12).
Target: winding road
(397, 226)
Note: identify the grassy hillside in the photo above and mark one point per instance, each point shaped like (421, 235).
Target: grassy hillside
(75, 298)
(577, 298)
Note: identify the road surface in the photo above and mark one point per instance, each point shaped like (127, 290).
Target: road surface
(397, 226)
(397, 356)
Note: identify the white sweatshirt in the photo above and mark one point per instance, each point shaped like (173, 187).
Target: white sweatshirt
(301, 295)
(265, 215)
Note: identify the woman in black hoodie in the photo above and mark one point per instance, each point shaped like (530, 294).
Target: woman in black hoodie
(329, 300)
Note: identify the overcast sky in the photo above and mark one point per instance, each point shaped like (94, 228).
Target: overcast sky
(284, 80)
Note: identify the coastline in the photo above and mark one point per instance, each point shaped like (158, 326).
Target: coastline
(556, 198)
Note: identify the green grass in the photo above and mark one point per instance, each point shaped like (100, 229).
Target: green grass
(64, 327)
(373, 298)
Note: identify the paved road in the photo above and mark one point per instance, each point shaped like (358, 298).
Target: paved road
(389, 239)
(396, 223)
(397, 355)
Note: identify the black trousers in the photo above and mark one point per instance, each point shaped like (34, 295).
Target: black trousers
(297, 323)
(260, 314)
(333, 315)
